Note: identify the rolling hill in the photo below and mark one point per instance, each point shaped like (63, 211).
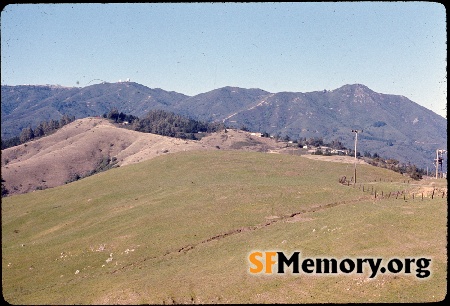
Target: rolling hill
(176, 221)
(85, 145)
(394, 126)
(179, 228)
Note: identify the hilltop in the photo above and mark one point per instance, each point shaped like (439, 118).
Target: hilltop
(86, 144)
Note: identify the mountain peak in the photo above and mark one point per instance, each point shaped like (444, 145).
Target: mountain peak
(355, 87)
(410, 133)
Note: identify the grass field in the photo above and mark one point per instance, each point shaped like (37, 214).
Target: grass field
(179, 229)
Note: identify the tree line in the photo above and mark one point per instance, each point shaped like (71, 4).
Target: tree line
(173, 125)
(44, 128)
(165, 123)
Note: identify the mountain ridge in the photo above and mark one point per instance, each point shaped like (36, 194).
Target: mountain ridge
(393, 125)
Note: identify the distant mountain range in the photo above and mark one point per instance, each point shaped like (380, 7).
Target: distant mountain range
(393, 126)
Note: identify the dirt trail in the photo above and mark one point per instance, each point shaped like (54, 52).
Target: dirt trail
(293, 217)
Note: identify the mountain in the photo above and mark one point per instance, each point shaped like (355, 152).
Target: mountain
(393, 126)
(27, 105)
(220, 104)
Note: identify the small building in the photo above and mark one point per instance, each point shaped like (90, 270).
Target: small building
(339, 152)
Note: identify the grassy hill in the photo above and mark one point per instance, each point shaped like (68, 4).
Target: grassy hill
(86, 145)
(178, 229)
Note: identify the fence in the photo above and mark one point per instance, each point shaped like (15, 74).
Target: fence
(398, 194)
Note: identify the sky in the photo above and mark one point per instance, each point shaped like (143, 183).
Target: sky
(391, 47)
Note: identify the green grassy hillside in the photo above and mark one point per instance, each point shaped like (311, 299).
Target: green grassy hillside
(179, 229)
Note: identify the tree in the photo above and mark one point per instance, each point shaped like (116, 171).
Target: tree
(113, 114)
(5, 191)
(336, 144)
(65, 120)
(315, 141)
(39, 131)
(53, 125)
(11, 142)
(301, 141)
(414, 173)
(26, 135)
(46, 127)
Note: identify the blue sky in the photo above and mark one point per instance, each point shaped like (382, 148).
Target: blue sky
(391, 47)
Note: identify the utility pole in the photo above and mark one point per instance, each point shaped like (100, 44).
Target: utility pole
(439, 153)
(437, 165)
(356, 141)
